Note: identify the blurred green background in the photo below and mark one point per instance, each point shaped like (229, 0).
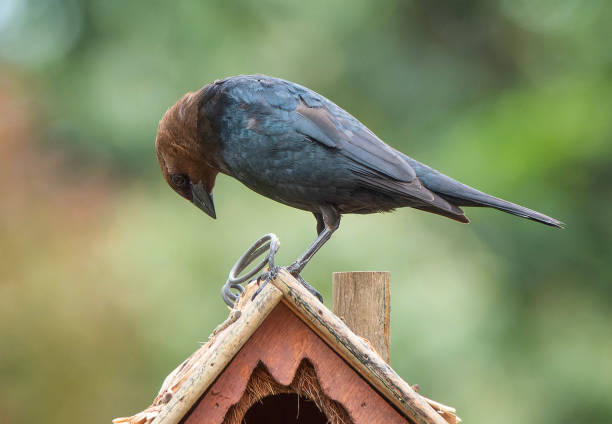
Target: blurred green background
(108, 279)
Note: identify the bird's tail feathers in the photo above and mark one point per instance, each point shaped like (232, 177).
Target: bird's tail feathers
(482, 199)
(460, 194)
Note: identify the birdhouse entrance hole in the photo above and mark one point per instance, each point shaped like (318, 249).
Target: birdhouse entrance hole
(285, 408)
(265, 401)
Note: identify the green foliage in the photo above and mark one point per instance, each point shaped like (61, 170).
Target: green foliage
(109, 280)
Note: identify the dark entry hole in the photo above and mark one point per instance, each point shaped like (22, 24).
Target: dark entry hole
(286, 408)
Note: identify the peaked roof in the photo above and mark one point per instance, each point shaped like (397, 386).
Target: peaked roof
(183, 387)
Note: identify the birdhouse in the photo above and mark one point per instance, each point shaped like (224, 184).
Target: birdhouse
(283, 357)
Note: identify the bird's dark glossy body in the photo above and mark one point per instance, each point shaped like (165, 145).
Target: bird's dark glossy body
(294, 146)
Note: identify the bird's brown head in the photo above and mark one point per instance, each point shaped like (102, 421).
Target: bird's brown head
(184, 161)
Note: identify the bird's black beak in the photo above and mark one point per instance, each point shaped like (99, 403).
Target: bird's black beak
(203, 199)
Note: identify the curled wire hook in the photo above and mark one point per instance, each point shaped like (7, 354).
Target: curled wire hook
(269, 243)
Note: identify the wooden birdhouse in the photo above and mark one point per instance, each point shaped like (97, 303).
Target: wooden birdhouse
(283, 357)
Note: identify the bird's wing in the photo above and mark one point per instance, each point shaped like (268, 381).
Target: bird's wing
(343, 132)
(376, 164)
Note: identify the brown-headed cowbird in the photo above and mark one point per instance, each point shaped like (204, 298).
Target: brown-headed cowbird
(290, 144)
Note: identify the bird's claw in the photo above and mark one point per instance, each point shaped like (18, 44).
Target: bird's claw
(266, 277)
(294, 269)
(308, 287)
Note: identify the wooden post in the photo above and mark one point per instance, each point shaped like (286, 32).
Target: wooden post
(362, 300)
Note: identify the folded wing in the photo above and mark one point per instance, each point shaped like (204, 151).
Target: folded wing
(376, 164)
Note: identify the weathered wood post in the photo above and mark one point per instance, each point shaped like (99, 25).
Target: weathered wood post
(362, 300)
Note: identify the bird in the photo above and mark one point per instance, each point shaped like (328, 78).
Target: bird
(293, 145)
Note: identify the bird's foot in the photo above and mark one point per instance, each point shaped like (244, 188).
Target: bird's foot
(294, 269)
(308, 287)
(264, 279)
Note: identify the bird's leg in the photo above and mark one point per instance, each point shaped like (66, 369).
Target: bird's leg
(320, 223)
(328, 221)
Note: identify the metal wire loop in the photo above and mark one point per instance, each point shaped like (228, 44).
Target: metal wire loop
(268, 243)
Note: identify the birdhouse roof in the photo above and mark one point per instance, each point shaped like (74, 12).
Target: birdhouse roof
(184, 386)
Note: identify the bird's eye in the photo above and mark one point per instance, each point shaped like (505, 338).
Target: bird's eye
(179, 180)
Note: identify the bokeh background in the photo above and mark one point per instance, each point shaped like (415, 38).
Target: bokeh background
(108, 279)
